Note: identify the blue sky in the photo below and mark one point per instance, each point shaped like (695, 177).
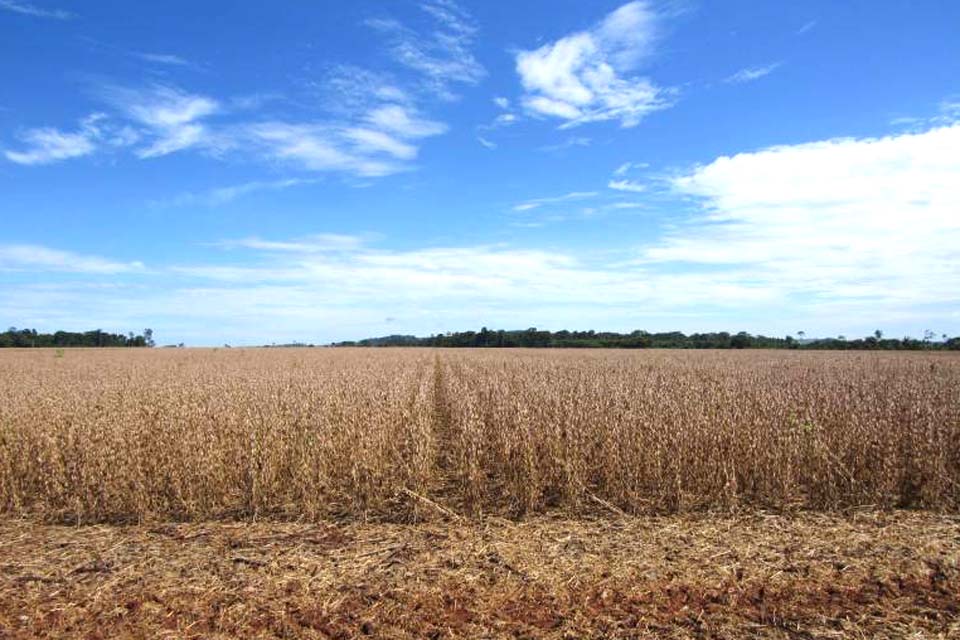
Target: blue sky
(235, 172)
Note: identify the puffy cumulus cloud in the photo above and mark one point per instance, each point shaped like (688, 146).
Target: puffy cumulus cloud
(870, 219)
(586, 76)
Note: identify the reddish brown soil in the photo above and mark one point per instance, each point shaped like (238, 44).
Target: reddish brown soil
(865, 574)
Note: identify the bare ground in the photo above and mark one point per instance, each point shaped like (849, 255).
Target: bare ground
(861, 574)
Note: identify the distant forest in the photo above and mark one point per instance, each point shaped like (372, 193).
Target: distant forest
(14, 337)
(643, 340)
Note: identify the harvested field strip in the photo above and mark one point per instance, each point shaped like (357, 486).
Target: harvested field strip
(874, 574)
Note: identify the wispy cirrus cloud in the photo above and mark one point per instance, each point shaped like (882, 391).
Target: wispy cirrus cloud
(27, 9)
(749, 74)
(587, 76)
(443, 57)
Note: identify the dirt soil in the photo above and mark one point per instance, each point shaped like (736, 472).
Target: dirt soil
(861, 574)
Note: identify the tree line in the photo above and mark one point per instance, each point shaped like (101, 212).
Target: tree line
(535, 338)
(21, 338)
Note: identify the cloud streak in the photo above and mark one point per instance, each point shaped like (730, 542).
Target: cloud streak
(567, 197)
(750, 74)
(33, 258)
(27, 9)
(163, 58)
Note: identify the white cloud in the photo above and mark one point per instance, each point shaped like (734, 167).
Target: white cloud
(501, 102)
(163, 58)
(46, 145)
(572, 141)
(750, 74)
(318, 243)
(320, 147)
(331, 286)
(539, 202)
(627, 167)
(871, 219)
(373, 136)
(298, 287)
(626, 185)
(28, 9)
(347, 90)
(486, 143)
(404, 122)
(369, 125)
(442, 56)
(806, 27)
(223, 195)
(581, 77)
(171, 117)
(38, 258)
(949, 110)
(380, 145)
(370, 141)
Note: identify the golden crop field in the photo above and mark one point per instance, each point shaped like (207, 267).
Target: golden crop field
(124, 436)
(416, 493)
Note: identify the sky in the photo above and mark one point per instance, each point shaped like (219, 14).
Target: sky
(250, 173)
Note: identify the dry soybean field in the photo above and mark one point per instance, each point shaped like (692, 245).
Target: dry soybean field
(408, 493)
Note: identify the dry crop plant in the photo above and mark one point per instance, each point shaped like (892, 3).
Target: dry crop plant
(120, 435)
(101, 435)
(675, 431)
